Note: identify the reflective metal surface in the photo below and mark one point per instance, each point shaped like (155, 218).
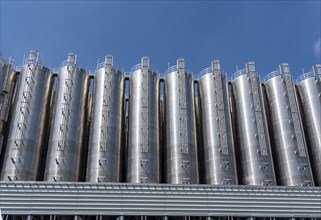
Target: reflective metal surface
(104, 163)
(289, 146)
(7, 75)
(253, 147)
(218, 147)
(66, 143)
(103, 201)
(310, 94)
(27, 137)
(181, 158)
(143, 150)
(7, 86)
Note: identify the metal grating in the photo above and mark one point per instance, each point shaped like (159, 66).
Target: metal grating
(43, 198)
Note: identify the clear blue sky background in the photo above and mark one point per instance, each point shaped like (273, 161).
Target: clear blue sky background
(267, 32)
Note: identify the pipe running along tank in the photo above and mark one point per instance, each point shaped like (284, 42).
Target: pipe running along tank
(309, 87)
(105, 141)
(289, 146)
(252, 138)
(143, 150)
(27, 136)
(7, 85)
(181, 144)
(66, 142)
(218, 146)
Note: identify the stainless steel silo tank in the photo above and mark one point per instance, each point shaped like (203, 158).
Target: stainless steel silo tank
(181, 157)
(66, 142)
(309, 87)
(252, 139)
(218, 146)
(143, 150)
(27, 136)
(104, 163)
(288, 141)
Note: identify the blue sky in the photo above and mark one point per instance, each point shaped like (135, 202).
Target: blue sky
(234, 32)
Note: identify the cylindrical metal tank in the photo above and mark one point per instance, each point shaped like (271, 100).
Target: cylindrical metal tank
(181, 157)
(143, 150)
(218, 147)
(252, 138)
(66, 142)
(104, 163)
(309, 86)
(290, 154)
(27, 136)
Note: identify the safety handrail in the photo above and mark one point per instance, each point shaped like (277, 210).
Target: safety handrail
(102, 65)
(305, 76)
(272, 75)
(27, 60)
(64, 63)
(205, 71)
(174, 69)
(136, 67)
(171, 69)
(238, 73)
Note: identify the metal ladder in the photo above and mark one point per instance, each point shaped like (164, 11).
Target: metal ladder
(259, 119)
(65, 110)
(6, 93)
(183, 124)
(24, 107)
(106, 104)
(301, 151)
(6, 85)
(104, 130)
(5, 108)
(220, 107)
(257, 108)
(144, 148)
(294, 110)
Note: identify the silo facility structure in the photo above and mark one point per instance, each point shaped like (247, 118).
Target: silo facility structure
(7, 85)
(26, 142)
(218, 156)
(66, 142)
(181, 157)
(309, 86)
(252, 138)
(289, 146)
(143, 149)
(104, 163)
(107, 144)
